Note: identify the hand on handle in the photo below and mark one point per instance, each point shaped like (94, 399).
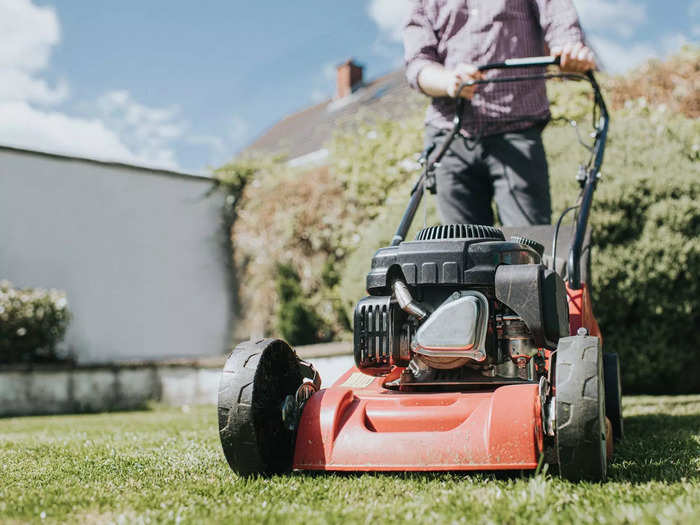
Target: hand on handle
(463, 73)
(575, 58)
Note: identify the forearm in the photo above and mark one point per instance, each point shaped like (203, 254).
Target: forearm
(433, 80)
(437, 81)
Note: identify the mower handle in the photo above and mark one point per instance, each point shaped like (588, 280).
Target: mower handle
(592, 170)
(512, 63)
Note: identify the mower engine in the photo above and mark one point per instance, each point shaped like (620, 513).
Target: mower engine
(459, 306)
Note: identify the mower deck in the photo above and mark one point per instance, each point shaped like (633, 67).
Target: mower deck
(358, 425)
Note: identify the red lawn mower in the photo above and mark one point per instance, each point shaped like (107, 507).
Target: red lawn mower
(472, 352)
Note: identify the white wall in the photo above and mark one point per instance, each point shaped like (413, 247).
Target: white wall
(139, 253)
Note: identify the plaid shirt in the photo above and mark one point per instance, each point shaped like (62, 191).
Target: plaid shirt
(479, 32)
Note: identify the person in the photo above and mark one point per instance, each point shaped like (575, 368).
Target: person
(499, 154)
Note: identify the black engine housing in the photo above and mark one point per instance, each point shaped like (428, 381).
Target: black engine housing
(450, 258)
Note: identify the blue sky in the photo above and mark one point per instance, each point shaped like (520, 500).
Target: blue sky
(186, 85)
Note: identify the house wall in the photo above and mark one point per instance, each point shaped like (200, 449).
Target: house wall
(139, 253)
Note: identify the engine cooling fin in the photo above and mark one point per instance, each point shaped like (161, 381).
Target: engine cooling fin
(539, 248)
(460, 231)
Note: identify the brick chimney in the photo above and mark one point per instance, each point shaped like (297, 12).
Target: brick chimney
(349, 78)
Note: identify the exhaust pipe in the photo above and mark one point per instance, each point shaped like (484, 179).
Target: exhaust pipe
(406, 302)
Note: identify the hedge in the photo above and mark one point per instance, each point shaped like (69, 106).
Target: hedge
(32, 323)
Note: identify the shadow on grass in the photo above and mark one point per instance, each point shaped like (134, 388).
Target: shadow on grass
(658, 447)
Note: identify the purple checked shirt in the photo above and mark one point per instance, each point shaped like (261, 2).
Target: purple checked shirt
(479, 32)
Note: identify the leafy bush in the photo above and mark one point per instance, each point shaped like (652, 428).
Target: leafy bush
(646, 228)
(32, 323)
(673, 83)
(296, 321)
(291, 218)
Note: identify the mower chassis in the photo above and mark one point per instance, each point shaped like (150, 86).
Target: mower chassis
(359, 425)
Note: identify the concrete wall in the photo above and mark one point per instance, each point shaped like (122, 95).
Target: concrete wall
(139, 253)
(48, 390)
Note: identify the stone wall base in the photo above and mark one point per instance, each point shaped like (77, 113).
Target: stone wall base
(55, 390)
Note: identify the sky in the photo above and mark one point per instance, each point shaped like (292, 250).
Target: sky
(186, 85)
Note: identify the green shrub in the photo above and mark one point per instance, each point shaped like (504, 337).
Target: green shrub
(32, 323)
(296, 321)
(646, 227)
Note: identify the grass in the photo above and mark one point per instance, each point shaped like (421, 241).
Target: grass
(165, 465)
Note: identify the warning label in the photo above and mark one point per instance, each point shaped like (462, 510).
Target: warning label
(358, 380)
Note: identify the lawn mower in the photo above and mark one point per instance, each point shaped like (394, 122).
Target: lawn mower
(474, 350)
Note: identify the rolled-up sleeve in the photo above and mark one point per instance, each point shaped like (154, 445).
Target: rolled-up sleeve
(560, 23)
(420, 43)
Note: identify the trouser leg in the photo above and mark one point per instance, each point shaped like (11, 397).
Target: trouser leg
(518, 168)
(464, 187)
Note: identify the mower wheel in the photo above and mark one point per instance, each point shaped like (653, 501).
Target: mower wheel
(613, 394)
(256, 379)
(580, 409)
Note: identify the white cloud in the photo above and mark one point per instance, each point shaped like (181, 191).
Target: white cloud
(618, 57)
(122, 129)
(27, 35)
(19, 85)
(390, 16)
(147, 131)
(24, 126)
(615, 29)
(623, 17)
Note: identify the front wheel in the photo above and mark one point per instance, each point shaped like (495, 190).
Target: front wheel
(255, 381)
(581, 430)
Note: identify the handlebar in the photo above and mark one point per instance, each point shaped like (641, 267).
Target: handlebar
(592, 169)
(513, 63)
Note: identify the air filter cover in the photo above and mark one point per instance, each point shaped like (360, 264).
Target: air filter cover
(457, 328)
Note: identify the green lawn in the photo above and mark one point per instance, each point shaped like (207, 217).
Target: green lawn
(166, 465)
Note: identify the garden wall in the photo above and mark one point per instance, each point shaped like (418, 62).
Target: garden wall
(139, 252)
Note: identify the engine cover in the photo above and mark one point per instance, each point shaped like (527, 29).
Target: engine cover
(445, 262)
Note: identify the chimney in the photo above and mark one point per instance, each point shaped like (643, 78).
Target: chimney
(349, 78)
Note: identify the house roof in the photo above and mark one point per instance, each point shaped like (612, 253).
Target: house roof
(306, 132)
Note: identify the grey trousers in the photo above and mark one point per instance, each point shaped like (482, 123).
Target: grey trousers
(510, 168)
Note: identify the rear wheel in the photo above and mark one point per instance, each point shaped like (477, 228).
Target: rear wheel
(256, 379)
(580, 409)
(613, 394)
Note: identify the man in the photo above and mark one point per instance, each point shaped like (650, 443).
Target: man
(500, 154)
